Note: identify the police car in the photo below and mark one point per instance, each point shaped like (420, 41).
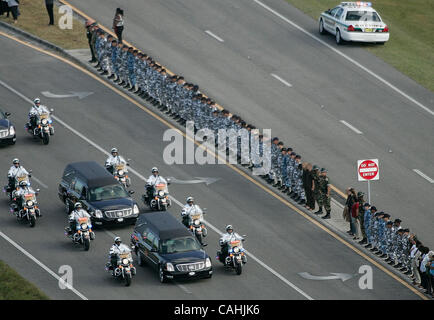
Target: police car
(354, 21)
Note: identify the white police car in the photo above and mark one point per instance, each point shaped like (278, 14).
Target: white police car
(354, 21)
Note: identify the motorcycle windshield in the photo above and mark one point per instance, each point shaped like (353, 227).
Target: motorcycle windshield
(196, 216)
(161, 186)
(126, 255)
(29, 196)
(235, 243)
(120, 166)
(22, 178)
(44, 115)
(82, 220)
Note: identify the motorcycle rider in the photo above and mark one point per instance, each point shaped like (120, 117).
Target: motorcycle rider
(36, 110)
(113, 160)
(189, 209)
(116, 249)
(77, 213)
(24, 188)
(229, 236)
(153, 180)
(16, 171)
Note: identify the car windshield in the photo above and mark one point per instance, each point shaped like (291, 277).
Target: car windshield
(182, 244)
(370, 16)
(114, 191)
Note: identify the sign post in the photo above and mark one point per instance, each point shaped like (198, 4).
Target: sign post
(368, 170)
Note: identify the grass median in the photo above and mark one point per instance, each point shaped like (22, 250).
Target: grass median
(411, 45)
(15, 287)
(34, 19)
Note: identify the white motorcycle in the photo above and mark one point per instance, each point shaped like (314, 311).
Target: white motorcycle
(121, 175)
(44, 128)
(26, 207)
(83, 233)
(197, 227)
(125, 269)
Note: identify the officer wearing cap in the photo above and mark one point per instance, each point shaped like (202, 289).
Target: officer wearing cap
(283, 168)
(89, 33)
(366, 222)
(361, 216)
(370, 230)
(290, 169)
(377, 231)
(315, 188)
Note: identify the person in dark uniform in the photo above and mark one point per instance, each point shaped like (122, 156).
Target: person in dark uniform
(49, 5)
(89, 32)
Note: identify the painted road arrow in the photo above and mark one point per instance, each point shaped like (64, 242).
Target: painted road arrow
(73, 94)
(335, 276)
(205, 180)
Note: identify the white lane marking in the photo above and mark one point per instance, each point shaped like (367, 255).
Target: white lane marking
(144, 179)
(214, 36)
(43, 266)
(423, 175)
(387, 83)
(278, 275)
(39, 182)
(184, 288)
(351, 127)
(281, 80)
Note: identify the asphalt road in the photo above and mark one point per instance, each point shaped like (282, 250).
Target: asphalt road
(279, 237)
(325, 89)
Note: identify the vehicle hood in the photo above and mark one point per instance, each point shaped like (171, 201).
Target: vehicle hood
(4, 124)
(185, 257)
(113, 204)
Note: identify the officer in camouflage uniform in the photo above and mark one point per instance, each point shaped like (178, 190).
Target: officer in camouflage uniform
(131, 59)
(124, 67)
(379, 232)
(397, 248)
(325, 192)
(290, 169)
(405, 253)
(118, 63)
(277, 170)
(369, 230)
(394, 245)
(100, 45)
(283, 168)
(366, 221)
(383, 237)
(316, 188)
(274, 155)
(301, 198)
(106, 58)
(389, 237)
(113, 59)
(294, 178)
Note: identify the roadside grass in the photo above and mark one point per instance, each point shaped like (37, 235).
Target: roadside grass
(410, 48)
(15, 287)
(34, 19)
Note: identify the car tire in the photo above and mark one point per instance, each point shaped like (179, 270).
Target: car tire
(140, 261)
(161, 274)
(339, 40)
(321, 27)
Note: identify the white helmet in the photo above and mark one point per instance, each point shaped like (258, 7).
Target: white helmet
(78, 205)
(114, 150)
(16, 160)
(229, 227)
(154, 169)
(37, 100)
(190, 199)
(118, 239)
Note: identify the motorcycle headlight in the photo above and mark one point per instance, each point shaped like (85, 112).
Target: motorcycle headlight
(121, 172)
(161, 193)
(169, 267)
(236, 249)
(196, 222)
(29, 203)
(208, 263)
(125, 261)
(84, 226)
(98, 214)
(44, 121)
(136, 209)
(11, 131)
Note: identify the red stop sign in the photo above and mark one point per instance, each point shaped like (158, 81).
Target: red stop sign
(368, 170)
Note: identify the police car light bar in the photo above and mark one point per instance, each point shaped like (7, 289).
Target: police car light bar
(357, 4)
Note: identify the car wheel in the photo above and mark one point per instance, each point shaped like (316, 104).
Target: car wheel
(339, 39)
(140, 261)
(161, 274)
(321, 27)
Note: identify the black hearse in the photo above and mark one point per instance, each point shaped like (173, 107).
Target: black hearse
(106, 200)
(7, 130)
(165, 244)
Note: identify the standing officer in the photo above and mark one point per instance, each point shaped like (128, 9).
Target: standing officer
(325, 192)
(89, 25)
(316, 189)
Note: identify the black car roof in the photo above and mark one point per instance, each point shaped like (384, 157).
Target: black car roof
(94, 174)
(163, 223)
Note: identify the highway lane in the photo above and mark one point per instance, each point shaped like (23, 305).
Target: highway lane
(325, 90)
(278, 236)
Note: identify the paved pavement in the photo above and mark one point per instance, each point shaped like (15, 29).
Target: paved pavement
(283, 240)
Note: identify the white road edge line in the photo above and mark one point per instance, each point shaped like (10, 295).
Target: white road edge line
(351, 127)
(387, 83)
(176, 201)
(214, 36)
(281, 80)
(423, 175)
(39, 182)
(43, 266)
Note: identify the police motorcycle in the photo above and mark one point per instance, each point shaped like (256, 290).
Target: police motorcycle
(236, 257)
(83, 233)
(197, 227)
(26, 207)
(44, 128)
(160, 197)
(125, 269)
(15, 182)
(120, 175)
